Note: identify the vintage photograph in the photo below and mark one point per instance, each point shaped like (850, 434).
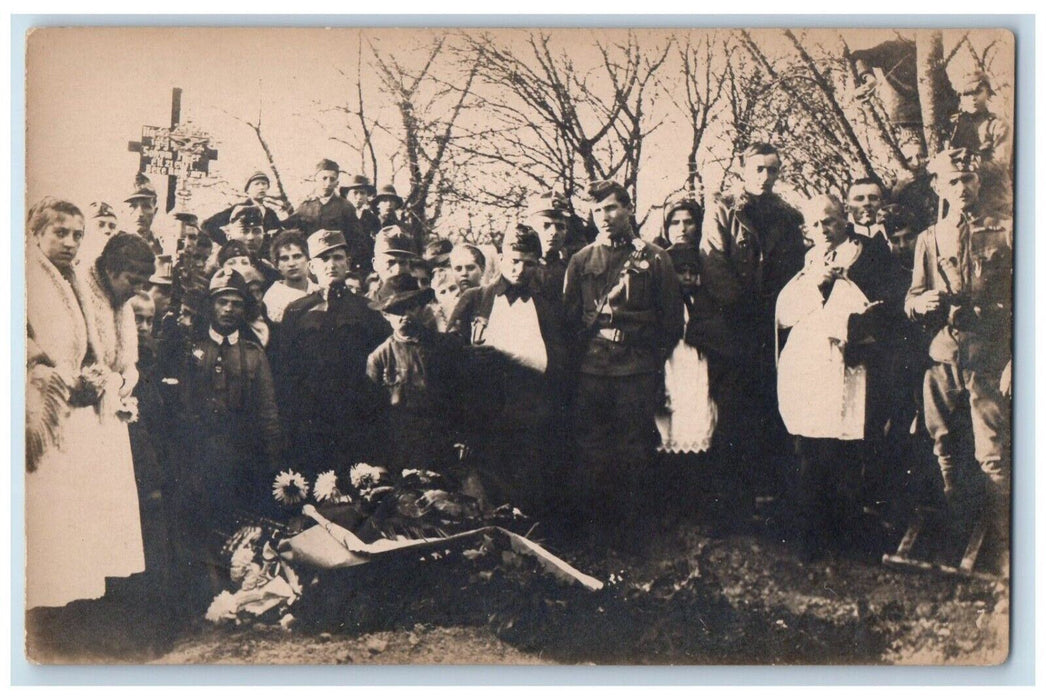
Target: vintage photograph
(518, 346)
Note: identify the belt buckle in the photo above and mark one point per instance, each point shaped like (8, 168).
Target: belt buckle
(612, 334)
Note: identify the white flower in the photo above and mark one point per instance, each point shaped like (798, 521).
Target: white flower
(222, 608)
(326, 488)
(242, 559)
(290, 488)
(364, 475)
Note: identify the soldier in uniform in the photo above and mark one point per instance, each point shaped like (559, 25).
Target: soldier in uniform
(751, 246)
(623, 304)
(142, 206)
(229, 439)
(333, 414)
(962, 291)
(975, 128)
(550, 223)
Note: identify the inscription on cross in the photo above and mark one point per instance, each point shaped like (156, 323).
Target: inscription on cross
(177, 152)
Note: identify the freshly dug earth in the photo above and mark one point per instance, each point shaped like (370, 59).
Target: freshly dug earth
(686, 599)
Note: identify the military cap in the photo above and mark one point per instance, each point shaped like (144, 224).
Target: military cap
(954, 160)
(233, 249)
(259, 175)
(599, 190)
(227, 280)
(248, 214)
(143, 189)
(325, 239)
(164, 274)
(399, 293)
(187, 217)
(359, 182)
(389, 192)
(973, 80)
(393, 240)
(327, 164)
(682, 255)
(546, 205)
(99, 209)
(522, 239)
(437, 251)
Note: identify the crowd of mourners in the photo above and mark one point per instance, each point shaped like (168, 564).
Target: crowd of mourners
(746, 354)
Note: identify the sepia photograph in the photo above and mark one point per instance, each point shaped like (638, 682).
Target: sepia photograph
(528, 346)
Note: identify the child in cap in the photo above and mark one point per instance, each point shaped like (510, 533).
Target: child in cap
(419, 370)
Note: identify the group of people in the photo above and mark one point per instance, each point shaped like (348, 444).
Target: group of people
(760, 350)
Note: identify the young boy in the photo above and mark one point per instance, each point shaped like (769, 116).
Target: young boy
(419, 370)
(292, 260)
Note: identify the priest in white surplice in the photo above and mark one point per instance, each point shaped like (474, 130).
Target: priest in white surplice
(837, 312)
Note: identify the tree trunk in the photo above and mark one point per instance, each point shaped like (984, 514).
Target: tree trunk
(929, 56)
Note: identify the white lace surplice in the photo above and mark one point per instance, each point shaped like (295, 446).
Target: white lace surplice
(691, 419)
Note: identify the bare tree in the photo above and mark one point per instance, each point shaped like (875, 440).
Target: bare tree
(557, 121)
(429, 108)
(703, 88)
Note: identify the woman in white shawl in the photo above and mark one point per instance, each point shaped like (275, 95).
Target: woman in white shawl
(82, 519)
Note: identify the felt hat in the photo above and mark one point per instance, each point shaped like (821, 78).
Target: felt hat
(389, 192)
(399, 293)
(437, 251)
(359, 182)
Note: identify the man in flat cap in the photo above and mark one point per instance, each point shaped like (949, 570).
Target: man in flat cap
(228, 439)
(623, 306)
(333, 413)
(962, 292)
(518, 336)
(751, 245)
(142, 211)
(273, 211)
